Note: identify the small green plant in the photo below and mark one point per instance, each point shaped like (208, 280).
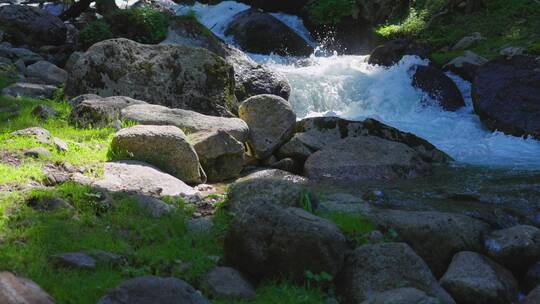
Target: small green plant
(305, 201)
(318, 280)
(94, 32)
(144, 24)
(411, 27)
(354, 226)
(331, 12)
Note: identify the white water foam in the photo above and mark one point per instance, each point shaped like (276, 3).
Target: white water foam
(348, 87)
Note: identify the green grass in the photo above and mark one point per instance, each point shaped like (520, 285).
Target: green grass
(354, 226)
(502, 22)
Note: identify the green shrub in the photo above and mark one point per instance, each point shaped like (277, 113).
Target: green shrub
(144, 25)
(94, 32)
(331, 12)
(411, 27)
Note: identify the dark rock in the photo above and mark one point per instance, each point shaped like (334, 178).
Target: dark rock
(48, 203)
(44, 112)
(533, 297)
(532, 277)
(474, 279)
(365, 158)
(105, 257)
(262, 33)
(371, 269)
(269, 241)
(19, 290)
(99, 112)
(516, 248)
(438, 87)
(288, 6)
(156, 207)
(392, 52)
(74, 260)
(152, 290)
(32, 90)
(465, 66)
(506, 95)
(405, 295)
(25, 56)
(32, 26)
(228, 283)
(289, 165)
(38, 152)
(172, 75)
(379, 12)
(271, 122)
(434, 236)
(46, 73)
(200, 225)
(251, 78)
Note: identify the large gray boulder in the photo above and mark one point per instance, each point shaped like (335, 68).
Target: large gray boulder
(516, 248)
(406, 295)
(271, 122)
(220, 154)
(100, 112)
(19, 290)
(165, 147)
(152, 290)
(434, 236)
(251, 78)
(29, 25)
(259, 32)
(269, 241)
(47, 73)
(475, 279)
(371, 269)
(189, 121)
(139, 177)
(365, 158)
(171, 75)
(272, 186)
(314, 134)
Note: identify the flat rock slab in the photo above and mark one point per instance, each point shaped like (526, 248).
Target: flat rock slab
(18, 290)
(139, 177)
(74, 260)
(34, 90)
(228, 283)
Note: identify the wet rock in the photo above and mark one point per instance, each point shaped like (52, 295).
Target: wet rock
(41, 135)
(189, 121)
(99, 112)
(46, 73)
(138, 177)
(468, 41)
(365, 158)
(532, 277)
(268, 241)
(38, 152)
(392, 52)
(506, 95)
(29, 25)
(405, 295)
(228, 283)
(19, 290)
(251, 78)
(438, 87)
(434, 236)
(153, 289)
(44, 112)
(271, 122)
(171, 75)
(220, 154)
(74, 260)
(156, 207)
(516, 248)
(474, 279)
(314, 134)
(533, 297)
(32, 90)
(371, 269)
(466, 65)
(166, 147)
(273, 186)
(259, 32)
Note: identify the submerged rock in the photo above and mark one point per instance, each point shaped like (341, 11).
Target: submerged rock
(268, 241)
(166, 147)
(506, 95)
(372, 269)
(475, 279)
(171, 75)
(259, 32)
(153, 289)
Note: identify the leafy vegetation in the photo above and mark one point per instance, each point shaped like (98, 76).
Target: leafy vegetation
(354, 226)
(331, 12)
(501, 22)
(94, 32)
